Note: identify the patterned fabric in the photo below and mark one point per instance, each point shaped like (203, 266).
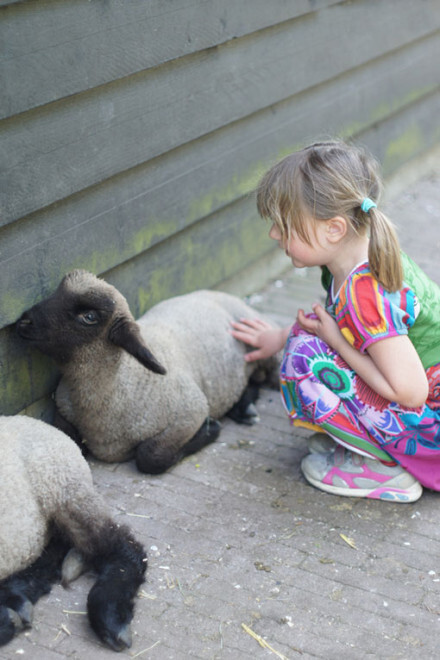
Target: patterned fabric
(366, 312)
(422, 323)
(433, 374)
(317, 386)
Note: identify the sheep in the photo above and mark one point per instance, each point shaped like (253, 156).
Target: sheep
(165, 404)
(48, 504)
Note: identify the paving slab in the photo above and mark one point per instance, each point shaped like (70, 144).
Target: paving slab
(246, 560)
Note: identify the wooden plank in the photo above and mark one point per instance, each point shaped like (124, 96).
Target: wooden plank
(68, 146)
(56, 49)
(125, 216)
(24, 374)
(398, 139)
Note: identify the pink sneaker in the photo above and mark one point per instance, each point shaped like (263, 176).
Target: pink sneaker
(343, 472)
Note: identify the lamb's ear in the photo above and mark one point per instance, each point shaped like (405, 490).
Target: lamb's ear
(125, 333)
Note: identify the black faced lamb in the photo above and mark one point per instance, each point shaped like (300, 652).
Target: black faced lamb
(48, 505)
(153, 390)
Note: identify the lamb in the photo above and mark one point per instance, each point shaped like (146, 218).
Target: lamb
(165, 404)
(48, 504)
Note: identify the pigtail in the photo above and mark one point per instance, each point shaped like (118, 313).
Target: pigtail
(384, 251)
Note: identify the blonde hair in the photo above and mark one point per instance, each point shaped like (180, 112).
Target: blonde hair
(325, 180)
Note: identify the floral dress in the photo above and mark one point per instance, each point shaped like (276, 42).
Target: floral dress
(317, 385)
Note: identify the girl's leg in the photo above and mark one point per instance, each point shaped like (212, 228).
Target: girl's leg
(318, 387)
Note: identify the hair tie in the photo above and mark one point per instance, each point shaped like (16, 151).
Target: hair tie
(368, 204)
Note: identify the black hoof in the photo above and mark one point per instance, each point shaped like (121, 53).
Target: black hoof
(110, 618)
(10, 624)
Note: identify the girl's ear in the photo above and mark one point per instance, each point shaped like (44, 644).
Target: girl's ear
(336, 229)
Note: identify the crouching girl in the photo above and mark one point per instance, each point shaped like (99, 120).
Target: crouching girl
(364, 371)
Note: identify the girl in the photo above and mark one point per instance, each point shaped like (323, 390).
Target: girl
(364, 370)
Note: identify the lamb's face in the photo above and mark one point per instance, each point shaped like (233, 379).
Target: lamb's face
(79, 312)
(84, 310)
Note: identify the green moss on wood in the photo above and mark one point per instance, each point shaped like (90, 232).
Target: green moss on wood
(403, 148)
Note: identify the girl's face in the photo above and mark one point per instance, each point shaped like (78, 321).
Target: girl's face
(301, 253)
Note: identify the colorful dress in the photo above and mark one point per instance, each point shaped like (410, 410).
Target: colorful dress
(318, 386)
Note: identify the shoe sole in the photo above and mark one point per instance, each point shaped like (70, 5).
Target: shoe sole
(411, 494)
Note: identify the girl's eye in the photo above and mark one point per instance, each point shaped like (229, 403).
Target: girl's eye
(89, 318)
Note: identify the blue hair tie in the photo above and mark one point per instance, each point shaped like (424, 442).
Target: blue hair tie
(368, 204)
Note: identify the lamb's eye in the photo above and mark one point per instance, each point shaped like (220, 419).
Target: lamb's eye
(88, 318)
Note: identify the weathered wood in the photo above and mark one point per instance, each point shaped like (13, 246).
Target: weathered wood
(56, 49)
(68, 146)
(25, 375)
(129, 214)
(398, 139)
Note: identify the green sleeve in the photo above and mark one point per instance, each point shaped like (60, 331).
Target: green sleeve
(425, 333)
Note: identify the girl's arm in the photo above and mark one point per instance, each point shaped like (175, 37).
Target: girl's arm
(267, 339)
(392, 367)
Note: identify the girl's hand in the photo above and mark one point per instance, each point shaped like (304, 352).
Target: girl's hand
(260, 334)
(321, 324)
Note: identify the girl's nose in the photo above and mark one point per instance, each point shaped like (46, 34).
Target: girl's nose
(275, 233)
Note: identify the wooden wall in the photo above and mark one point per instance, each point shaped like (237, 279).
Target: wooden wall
(133, 133)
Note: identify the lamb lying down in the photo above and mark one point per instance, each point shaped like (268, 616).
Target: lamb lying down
(48, 505)
(187, 373)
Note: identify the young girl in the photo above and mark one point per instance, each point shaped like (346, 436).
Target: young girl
(364, 370)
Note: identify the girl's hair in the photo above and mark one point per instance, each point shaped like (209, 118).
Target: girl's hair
(331, 179)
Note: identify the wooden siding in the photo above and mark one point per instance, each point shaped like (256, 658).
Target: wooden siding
(133, 134)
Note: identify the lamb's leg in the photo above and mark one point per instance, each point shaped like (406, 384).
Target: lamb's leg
(244, 411)
(155, 455)
(207, 433)
(19, 592)
(110, 604)
(119, 560)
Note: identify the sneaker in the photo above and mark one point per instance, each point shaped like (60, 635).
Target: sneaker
(320, 443)
(343, 472)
